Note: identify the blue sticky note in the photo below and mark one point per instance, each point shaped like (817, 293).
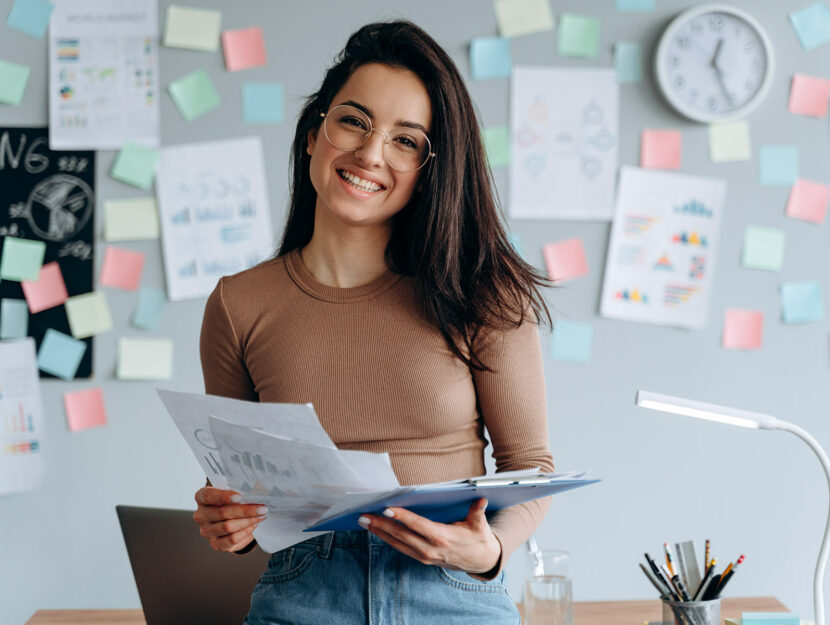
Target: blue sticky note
(14, 319)
(60, 354)
(801, 302)
(778, 165)
(262, 102)
(770, 618)
(812, 25)
(628, 59)
(30, 17)
(147, 315)
(572, 341)
(636, 5)
(490, 57)
(516, 241)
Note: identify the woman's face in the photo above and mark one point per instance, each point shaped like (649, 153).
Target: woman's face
(390, 96)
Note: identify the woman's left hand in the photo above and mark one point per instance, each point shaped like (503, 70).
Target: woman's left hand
(467, 545)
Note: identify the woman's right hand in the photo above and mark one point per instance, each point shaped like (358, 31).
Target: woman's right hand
(224, 522)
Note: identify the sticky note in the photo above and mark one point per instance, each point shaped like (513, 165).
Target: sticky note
(769, 618)
(262, 102)
(763, 248)
(136, 165)
(808, 200)
(516, 241)
(13, 79)
(30, 17)
(122, 269)
(742, 329)
(497, 145)
(636, 5)
(812, 25)
(578, 35)
(244, 48)
(48, 291)
(572, 341)
(522, 17)
(145, 359)
(801, 302)
(778, 165)
(809, 95)
(88, 314)
(60, 354)
(194, 94)
(21, 259)
(147, 315)
(14, 319)
(192, 28)
(628, 59)
(565, 260)
(660, 149)
(729, 141)
(131, 219)
(85, 409)
(490, 58)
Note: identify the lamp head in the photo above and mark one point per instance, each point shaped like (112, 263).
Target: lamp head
(701, 410)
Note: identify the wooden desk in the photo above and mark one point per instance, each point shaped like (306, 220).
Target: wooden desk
(585, 613)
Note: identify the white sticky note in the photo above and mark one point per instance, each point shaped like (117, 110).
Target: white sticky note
(192, 28)
(88, 314)
(145, 359)
(133, 219)
(729, 142)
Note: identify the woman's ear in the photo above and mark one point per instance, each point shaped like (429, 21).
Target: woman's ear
(311, 140)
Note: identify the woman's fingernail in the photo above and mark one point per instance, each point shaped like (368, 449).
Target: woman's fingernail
(364, 521)
(389, 513)
(262, 510)
(236, 498)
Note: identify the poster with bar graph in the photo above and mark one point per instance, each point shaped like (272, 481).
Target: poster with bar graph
(21, 418)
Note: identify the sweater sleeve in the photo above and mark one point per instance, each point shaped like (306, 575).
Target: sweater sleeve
(511, 400)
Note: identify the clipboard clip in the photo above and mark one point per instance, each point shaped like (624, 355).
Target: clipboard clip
(495, 481)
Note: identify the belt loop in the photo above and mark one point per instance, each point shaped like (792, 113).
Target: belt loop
(324, 548)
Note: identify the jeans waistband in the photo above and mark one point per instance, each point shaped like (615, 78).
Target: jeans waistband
(344, 538)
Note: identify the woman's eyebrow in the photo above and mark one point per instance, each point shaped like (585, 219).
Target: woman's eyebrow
(400, 122)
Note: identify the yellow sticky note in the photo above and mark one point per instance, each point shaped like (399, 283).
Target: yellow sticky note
(145, 359)
(131, 220)
(522, 17)
(192, 28)
(88, 314)
(729, 142)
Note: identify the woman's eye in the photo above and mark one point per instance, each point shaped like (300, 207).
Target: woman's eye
(407, 142)
(353, 121)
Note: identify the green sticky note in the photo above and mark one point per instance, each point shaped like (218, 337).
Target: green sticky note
(578, 35)
(497, 145)
(763, 248)
(572, 341)
(136, 165)
(13, 78)
(194, 94)
(22, 259)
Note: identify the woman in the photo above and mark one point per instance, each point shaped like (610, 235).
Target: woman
(398, 308)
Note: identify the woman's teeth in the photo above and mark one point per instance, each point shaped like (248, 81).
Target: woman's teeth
(363, 185)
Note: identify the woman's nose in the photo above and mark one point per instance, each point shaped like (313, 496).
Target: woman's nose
(371, 152)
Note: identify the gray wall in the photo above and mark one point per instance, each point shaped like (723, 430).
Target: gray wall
(664, 478)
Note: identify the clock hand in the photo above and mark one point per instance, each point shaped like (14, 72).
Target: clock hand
(714, 61)
(719, 76)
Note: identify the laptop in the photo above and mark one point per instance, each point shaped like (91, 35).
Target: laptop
(180, 579)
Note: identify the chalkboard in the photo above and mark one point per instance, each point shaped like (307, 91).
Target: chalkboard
(49, 196)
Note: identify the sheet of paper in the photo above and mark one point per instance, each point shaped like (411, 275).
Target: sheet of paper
(88, 314)
(262, 103)
(763, 248)
(801, 302)
(743, 329)
(103, 74)
(523, 17)
(778, 165)
(21, 456)
(144, 359)
(809, 95)
(374, 470)
(729, 141)
(136, 165)
(563, 150)
(490, 58)
(60, 354)
(628, 60)
(497, 145)
(812, 25)
(122, 268)
(134, 219)
(48, 291)
(85, 409)
(244, 48)
(13, 79)
(30, 17)
(149, 309)
(192, 29)
(21, 259)
(14, 319)
(214, 212)
(579, 35)
(572, 341)
(636, 5)
(663, 248)
(661, 149)
(808, 200)
(194, 94)
(565, 260)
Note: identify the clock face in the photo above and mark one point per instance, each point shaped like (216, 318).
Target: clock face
(714, 65)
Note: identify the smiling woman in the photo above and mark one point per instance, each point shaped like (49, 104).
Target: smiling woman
(398, 308)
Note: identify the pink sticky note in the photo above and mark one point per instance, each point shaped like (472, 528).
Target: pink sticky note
(48, 291)
(85, 409)
(742, 329)
(808, 200)
(243, 48)
(809, 96)
(122, 268)
(565, 260)
(660, 149)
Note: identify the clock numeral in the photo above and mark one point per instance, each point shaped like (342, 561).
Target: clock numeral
(675, 61)
(684, 42)
(693, 95)
(697, 27)
(716, 23)
(749, 45)
(712, 103)
(679, 82)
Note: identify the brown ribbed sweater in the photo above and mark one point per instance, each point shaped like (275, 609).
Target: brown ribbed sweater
(381, 378)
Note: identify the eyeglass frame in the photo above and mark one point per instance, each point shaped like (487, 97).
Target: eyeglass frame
(387, 139)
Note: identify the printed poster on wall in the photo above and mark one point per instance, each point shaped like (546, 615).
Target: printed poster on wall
(564, 135)
(103, 74)
(664, 241)
(214, 212)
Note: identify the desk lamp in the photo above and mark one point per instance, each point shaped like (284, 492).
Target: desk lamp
(757, 420)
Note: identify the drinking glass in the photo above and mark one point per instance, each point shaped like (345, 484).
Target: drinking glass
(548, 592)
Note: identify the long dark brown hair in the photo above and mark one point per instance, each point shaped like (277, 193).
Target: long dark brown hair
(450, 237)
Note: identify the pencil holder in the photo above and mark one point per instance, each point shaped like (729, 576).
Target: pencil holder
(691, 612)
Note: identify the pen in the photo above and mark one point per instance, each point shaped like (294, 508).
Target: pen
(710, 591)
(659, 575)
(681, 587)
(663, 592)
(705, 581)
(727, 576)
(675, 591)
(668, 559)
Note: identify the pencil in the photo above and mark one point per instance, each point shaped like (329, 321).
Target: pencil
(706, 556)
(668, 559)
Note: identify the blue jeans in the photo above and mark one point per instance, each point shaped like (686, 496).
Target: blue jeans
(354, 578)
